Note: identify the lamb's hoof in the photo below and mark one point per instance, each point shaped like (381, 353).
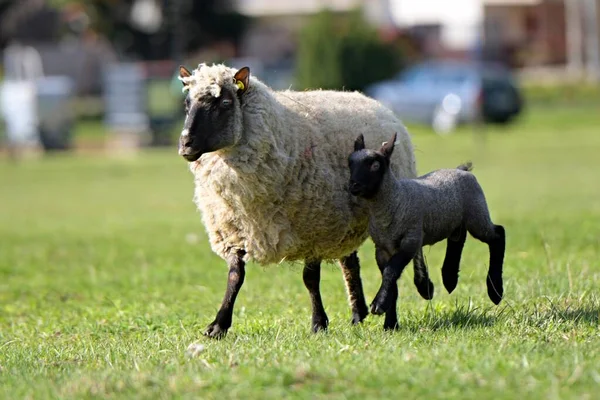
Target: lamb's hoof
(319, 324)
(358, 316)
(379, 306)
(450, 281)
(425, 289)
(495, 290)
(391, 326)
(215, 331)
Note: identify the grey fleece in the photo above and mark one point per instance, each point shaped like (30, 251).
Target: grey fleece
(426, 210)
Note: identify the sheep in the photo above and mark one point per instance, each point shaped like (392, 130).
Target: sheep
(407, 214)
(271, 181)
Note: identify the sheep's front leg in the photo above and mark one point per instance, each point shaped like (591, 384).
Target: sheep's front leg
(312, 278)
(388, 292)
(218, 328)
(351, 269)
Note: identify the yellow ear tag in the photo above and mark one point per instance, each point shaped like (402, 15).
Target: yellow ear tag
(240, 85)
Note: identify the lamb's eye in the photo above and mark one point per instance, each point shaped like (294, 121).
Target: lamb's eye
(226, 102)
(375, 166)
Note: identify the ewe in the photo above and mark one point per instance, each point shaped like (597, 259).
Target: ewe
(271, 178)
(407, 214)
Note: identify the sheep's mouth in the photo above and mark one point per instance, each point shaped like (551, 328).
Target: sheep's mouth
(190, 154)
(192, 157)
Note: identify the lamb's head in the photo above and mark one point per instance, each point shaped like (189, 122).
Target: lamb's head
(368, 167)
(213, 107)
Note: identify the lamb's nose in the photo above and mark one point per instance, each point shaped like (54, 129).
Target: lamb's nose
(353, 187)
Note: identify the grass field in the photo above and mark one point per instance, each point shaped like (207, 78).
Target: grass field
(106, 278)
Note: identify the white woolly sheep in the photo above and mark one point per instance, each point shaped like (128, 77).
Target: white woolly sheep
(271, 178)
(406, 214)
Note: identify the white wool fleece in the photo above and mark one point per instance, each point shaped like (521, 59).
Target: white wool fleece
(281, 192)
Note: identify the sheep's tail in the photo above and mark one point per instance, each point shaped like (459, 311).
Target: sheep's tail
(468, 166)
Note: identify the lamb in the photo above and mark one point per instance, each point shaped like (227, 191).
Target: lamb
(406, 214)
(271, 179)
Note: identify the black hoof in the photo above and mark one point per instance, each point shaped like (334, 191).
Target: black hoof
(214, 331)
(360, 315)
(495, 290)
(425, 289)
(319, 325)
(450, 281)
(378, 307)
(391, 326)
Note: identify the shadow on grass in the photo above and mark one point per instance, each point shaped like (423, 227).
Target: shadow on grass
(461, 318)
(587, 314)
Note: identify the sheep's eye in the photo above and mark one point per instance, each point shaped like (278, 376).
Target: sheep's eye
(186, 104)
(226, 102)
(375, 166)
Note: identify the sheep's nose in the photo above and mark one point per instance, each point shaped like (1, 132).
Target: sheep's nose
(185, 142)
(185, 139)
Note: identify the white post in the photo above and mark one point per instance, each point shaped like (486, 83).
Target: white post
(574, 37)
(592, 46)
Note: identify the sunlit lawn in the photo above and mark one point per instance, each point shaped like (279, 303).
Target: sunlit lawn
(106, 278)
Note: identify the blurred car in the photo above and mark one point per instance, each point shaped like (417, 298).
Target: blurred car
(446, 93)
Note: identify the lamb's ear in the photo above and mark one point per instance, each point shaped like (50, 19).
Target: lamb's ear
(359, 143)
(388, 147)
(242, 79)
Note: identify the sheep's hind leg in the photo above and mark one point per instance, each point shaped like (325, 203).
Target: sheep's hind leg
(422, 282)
(451, 266)
(218, 328)
(312, 278)
(350, 266)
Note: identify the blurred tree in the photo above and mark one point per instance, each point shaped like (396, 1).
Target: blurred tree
(318, 60)
(344, 51)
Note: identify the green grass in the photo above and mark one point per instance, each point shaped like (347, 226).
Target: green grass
(106, 278)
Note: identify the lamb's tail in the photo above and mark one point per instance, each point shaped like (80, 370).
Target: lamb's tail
(468, 166)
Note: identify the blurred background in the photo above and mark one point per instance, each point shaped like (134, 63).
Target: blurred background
(100, 74)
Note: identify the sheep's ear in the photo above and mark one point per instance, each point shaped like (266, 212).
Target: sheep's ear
(242, 79)
(184, 73)
(359, 143)
(388, 147)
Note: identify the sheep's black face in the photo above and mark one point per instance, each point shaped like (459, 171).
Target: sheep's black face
(213, 109)
(367, 169)
(210, 124)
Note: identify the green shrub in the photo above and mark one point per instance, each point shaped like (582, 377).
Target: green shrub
(343, 51)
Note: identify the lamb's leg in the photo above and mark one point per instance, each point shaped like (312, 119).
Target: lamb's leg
(312, 277)
(451, 266)
(350, 266)
(494, 279)
(218, 328)
(391, 316)
(495, 237)
(388, 292)
(422, 282)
